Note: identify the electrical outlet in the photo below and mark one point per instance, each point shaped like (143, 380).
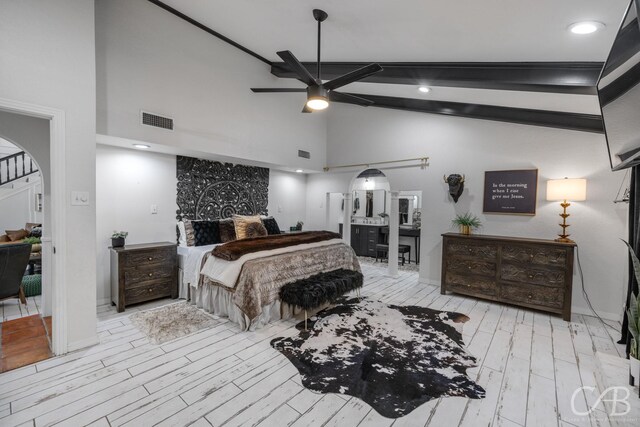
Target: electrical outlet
(279, 209)
(154, 209)
(79, 198)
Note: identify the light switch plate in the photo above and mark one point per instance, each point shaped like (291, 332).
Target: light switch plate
(154, 209)
(79, 198)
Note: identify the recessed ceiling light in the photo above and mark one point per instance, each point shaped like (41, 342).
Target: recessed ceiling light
(299, 170)
(424, 89)
(142, 146)
(586, 27)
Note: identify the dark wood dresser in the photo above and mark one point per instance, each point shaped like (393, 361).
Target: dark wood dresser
(143, 272)
(532, 273)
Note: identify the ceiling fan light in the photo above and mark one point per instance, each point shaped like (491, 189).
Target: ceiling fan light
(318, 103)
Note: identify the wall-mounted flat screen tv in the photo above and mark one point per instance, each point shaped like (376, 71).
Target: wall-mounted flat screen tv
(619, 93)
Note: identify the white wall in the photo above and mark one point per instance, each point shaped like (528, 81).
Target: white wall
(148, 59)
(471, 147)
(48, 59)
(128, 182)
(287, 198)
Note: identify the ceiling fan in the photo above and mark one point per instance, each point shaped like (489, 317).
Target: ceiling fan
(319, 94)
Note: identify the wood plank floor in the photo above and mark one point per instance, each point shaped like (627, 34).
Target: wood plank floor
(24, 341)
(529, 363)
(11, 309)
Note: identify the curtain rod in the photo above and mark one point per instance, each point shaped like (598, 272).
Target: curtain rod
(424, 162)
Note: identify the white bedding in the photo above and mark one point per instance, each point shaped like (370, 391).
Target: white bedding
(192, 260)
(227, 272)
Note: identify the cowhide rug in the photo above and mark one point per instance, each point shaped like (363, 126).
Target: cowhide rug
(392, 357)
(171, 321)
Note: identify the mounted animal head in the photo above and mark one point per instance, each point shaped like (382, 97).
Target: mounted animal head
(456, 185)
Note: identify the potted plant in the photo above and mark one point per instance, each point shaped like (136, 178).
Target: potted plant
(466, 222)
(299, 225)
(117, 238)
(633, 317)
(35, 242)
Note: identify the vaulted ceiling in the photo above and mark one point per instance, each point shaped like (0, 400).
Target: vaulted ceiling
(510, 60)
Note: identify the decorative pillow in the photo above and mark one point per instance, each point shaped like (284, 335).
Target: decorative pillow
(242, 222)
(36, 232)
(227, 230)
(4, 238)
(15, 235)
(255, 229)
(29, 226)
(189, 236)
(182, 233)
(271, 225)
(206, 232)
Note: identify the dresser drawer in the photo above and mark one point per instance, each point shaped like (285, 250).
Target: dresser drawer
(471, 267)
(527, 274)
(138, 258)
(535, 255)
(531, 294)
(150, 291)
(469, 284)
(477, 251)
(145, 272)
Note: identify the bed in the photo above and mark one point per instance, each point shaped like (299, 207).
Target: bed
(245, 289)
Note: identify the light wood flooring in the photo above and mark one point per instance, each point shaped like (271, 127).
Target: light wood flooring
(11, 309)
(529, 363)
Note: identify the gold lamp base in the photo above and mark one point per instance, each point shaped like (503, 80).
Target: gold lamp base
(564, 237)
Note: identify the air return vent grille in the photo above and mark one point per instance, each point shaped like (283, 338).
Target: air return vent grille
(157, 121)
(304, 154)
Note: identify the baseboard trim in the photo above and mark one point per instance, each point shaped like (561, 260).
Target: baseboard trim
(616, 317)
(103, 301)
(88, 342)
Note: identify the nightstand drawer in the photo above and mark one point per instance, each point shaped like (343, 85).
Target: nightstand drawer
(138, 258)
(135, 275)
(151, 291)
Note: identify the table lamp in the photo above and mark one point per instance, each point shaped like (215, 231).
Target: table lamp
(565, 190)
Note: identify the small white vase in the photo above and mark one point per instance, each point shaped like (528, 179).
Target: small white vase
(634, 369)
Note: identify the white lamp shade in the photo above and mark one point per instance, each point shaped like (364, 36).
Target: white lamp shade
(573, 190)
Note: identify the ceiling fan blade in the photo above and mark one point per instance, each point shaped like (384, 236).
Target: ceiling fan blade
(306, 109)
(349, 99)
(297, 67)
(353, 76)
(274, 90)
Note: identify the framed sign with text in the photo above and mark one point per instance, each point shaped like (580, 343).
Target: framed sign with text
(510, 192)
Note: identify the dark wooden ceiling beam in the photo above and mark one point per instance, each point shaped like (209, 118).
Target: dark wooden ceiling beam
(554, 119)
(554, 77)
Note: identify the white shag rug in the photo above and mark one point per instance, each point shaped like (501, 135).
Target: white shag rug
(172, 321)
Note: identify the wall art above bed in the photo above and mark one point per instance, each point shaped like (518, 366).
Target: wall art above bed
(211, 190)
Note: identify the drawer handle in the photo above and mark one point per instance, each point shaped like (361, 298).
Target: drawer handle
(150, 258)
(468, 286)
(531, 276)
(150, 274)
(532, 256)
(469, 267)
(529, 296)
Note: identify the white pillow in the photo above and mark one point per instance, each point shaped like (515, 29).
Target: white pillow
(182, 240)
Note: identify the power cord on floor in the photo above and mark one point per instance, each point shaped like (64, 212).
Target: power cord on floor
(586, 297)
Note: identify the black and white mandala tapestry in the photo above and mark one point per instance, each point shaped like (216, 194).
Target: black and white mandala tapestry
(395, 358)
(209, 190)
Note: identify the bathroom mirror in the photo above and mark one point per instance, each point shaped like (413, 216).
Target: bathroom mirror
(369, 203)
(410, 208)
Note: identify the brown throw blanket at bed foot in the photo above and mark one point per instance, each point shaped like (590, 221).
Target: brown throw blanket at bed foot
(231, 251)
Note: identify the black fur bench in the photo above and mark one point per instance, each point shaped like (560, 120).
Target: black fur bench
(320, 289)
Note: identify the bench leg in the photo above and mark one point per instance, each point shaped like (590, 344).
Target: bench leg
(305, 320)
